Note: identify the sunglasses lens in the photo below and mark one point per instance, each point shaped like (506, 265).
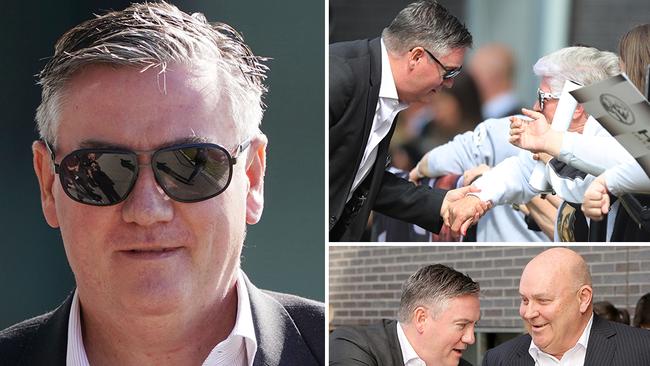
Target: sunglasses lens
(192, 173)
(97, 177)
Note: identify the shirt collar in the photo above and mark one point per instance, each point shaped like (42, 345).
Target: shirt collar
(76, 353)
(582, 341)
(387, 89)
(408, 353)
(244, 322)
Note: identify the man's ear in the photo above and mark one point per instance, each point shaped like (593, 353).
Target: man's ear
(584, 297)
(45, 174)
(420, 316)
(580, 110)
(255, 168)
(414, 56)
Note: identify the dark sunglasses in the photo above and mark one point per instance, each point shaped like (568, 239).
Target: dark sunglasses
(450, 73)
(186, 172)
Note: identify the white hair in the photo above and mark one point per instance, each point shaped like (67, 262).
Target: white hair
(155, 35)
(583, 65)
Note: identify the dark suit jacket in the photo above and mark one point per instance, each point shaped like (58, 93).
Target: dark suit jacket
(610, 344)
(289, 329)
(374, 345)
(355, 78)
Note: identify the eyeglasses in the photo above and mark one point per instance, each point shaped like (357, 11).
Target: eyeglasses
(543, 96)
(450, 73)
(185, 172)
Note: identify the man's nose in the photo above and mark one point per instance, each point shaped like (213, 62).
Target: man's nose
(529, 311)
(468, 336)
(147, 204)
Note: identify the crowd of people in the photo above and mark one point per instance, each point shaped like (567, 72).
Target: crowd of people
(471, 149)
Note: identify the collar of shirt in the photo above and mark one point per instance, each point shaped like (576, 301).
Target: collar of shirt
(231, 351)
(387, 89)
(408, 353)
(572, 357)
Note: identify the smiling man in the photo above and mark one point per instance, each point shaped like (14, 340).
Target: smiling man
(557, 309)
(438, 311)
(151, 163)
(371, 81)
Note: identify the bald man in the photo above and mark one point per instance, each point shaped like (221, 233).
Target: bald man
(493, 69)
(556, 306)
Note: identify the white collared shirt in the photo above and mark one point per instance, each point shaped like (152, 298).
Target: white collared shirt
(408, 353)
(388, 106)
(573, 357)
(238, 348)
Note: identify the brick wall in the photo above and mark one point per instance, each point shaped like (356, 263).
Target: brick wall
(365, 282)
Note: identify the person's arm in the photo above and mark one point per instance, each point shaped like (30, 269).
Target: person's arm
(627, 178)
(592, 151)
(486, 144)
(347, 348)
(341, 87)
(419, 205)
(544, 214)
(507, 182)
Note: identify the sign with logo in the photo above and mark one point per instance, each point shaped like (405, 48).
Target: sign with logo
(623, 111)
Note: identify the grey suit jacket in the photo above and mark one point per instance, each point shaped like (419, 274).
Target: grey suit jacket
(290, 331)
(610, 344)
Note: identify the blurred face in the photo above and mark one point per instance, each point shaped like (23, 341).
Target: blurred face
(425, 74)
(445, 337)
(550, 308)
(150, 255)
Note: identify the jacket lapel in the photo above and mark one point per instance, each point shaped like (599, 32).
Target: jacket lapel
(600, 348)
(278, 340)
(49, 345)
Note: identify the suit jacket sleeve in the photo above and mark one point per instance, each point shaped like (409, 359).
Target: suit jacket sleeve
(403, 200)
(348, 348)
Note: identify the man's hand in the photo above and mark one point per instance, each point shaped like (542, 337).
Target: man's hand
(529, 135)
(459, 211)
(471, 174)
(595, 203)
(415, 175)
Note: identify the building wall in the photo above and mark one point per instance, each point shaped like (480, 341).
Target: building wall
(365, 282)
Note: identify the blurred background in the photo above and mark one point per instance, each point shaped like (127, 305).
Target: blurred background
(284, 252)
(365, 283)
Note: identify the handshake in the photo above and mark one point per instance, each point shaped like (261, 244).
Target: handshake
(460, 209)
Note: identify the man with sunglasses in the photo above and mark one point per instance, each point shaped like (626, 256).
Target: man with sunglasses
(371, 81)
(508, 181)
(151, 162)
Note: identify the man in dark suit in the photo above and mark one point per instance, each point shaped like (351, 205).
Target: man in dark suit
(150, 93)
(438, 310)
(556, 306)
(371, 81)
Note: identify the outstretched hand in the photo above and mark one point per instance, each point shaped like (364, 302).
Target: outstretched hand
(529, 135)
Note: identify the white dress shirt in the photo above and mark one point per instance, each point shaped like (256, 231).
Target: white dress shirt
(238, 348)
(388, 106)
(573, 357)
(408, 353)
